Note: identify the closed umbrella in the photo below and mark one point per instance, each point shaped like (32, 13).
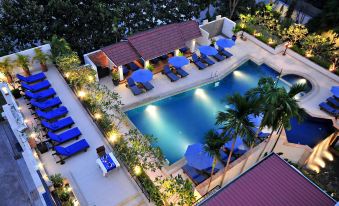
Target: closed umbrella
(142, 75)
(198, 158)
(225, 43)
(208, 50)
(178, 61)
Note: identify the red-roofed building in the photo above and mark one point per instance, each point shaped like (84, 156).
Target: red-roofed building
(271, 182)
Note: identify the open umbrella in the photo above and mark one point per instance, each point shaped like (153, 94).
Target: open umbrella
(197, 157)
(335, 91)
(142, 75)
(208, 50)
(225, 43)
(178, 61)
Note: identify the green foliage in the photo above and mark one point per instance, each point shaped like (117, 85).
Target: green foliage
(59, 46)
(64, 196)
(6, 67)
(40, 56)
(57, 180)
(151, 188)
(67, 62)
(150, 67)
(295, 33)
(22, 61)
(80, 76)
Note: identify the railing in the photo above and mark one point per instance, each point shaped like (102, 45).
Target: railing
(205, 196)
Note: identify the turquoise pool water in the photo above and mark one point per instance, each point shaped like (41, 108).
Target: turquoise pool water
(183, 119)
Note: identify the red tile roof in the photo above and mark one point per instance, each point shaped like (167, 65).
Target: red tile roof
(120, 53)
(153, 43)
(271, 182)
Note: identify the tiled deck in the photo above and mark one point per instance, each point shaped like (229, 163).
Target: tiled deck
(242, 51)
(86, 178)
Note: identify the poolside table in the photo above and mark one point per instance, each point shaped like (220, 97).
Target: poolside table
(107, 163)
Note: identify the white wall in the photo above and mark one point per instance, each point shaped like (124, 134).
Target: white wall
(35, 67)
(204, 39)
(88, 61)
(228, 27)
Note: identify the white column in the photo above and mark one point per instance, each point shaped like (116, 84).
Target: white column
(193, 43)
(146, 63)
(176, 52)
(121, 73)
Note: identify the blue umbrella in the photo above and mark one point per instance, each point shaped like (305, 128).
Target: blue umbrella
(255, 119)
(225, 43)
(239, 144)
(208, 50)
(335, 91)
(142, 75)
(197, 157)
(178, 61)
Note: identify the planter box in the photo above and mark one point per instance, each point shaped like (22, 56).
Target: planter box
(278, 49)
(312, 64)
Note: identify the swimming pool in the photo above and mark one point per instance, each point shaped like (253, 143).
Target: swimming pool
(183, 119)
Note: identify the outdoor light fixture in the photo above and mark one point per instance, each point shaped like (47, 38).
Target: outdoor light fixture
(97, 115)
(67, 74)
(5, 90)
(137, 170)
(81, 94)
(287, 45)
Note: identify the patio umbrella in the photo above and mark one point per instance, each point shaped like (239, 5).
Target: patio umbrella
(239, 144)
(208, 50)
(255, 119)
(225, 43)
(197, 157)
(178, 61)
(142, 75)
(335, 91)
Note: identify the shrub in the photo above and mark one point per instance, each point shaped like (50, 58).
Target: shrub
(57, 180)
(68, 61)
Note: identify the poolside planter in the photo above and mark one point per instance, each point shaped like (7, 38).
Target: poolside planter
(42, 147)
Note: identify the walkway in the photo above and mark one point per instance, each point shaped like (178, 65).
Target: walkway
(86, 179)
(242, 51)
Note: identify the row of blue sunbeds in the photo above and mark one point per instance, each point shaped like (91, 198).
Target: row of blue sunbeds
(204, 61)
(47, 108)
(331, 106)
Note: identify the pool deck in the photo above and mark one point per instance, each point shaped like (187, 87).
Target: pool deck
(242, 51)
(86, 179)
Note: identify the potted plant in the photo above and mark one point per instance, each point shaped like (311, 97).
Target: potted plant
(42, 58)
(7, 68)
(16, 93)
(212, 42)
(23, 62)
(57, 180)
(150, 67)
(115, 77)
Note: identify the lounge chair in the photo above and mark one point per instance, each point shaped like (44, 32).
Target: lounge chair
(57, 139)
(218, 57)
(33, 78)
(67, 152)
(197, 62)
(147, 85)
(56, 113)
(225, 53)
(50, 103)
(125, 70)
(181, 72)
(333, 101)
(133, 87)
(327, 108)
(133, 66)
(194, 174)
(167, 71)
(58, 125)
(36, 87)
(207, 60)
(50, 92)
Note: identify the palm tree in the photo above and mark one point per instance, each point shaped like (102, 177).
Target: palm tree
(23, 62)
(6, 68)
(42, 58)
(212, 147)
(235, 122)
(59, 46)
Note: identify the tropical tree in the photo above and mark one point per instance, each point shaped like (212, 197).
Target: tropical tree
(212, 147)
(6, 68)
(59, 47)
(294, 33)
(235, 122)
(42, 58)
(23, 62)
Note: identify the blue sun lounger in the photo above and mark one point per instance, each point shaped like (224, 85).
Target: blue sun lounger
(207, 60)
(50, 103)
(58, 125)
(133, 87)
(147, 85)
(50, 92)
(67, 152)
(333, 101)
(68, 135)
(133, 66)
(197, 62)
(170, 74)
(327, 108)
(36, 87)
(194, 174)
(33, 78)
(218, 57)
(53, 114)
(181, 72)
(225, 53)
